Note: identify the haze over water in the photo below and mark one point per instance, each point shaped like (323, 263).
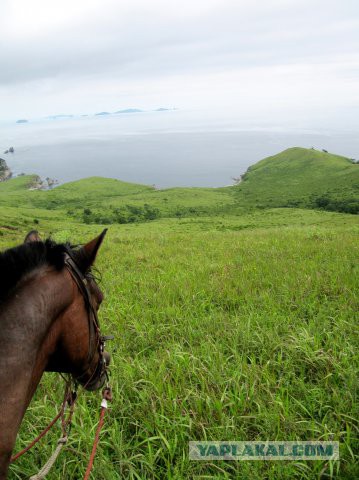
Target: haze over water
(167, 149)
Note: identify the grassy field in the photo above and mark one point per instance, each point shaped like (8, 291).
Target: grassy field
(234, 324)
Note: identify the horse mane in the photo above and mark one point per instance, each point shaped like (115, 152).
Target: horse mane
(18, 261)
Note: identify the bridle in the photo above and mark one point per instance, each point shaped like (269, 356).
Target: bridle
(92, 378)
(99, 371)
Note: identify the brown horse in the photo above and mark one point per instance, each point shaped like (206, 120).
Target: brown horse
(48, 321)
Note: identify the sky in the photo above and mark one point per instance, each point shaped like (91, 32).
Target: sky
(260, 61)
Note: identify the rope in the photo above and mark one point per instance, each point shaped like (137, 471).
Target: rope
(107, 396)
(69, 398)
(66, 426)
(47, 467)
(44, 432)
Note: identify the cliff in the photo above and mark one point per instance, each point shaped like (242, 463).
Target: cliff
(5, 172)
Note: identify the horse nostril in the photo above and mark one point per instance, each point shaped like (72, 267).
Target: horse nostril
(107, 357)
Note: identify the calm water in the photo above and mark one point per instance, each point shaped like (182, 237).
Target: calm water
(161, 148)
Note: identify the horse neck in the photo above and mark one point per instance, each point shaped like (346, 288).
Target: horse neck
(28, 335)
(30, 313)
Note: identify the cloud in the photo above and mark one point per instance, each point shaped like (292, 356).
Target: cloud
(93, 54)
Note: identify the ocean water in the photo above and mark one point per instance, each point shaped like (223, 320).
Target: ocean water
(165, 149)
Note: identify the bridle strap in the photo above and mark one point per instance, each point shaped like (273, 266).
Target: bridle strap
(94, 328)
(81, 282)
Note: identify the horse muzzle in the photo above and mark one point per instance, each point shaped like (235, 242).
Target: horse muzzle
(101, 375)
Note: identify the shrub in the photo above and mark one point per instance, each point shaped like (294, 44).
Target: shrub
(349, 205)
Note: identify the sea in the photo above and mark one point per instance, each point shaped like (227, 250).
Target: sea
(162, 148)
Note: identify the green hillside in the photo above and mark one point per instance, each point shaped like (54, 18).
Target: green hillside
(233, 320)
(17, 185)
(104, 200)
(302, 177)
(297, 177)
(97, 187)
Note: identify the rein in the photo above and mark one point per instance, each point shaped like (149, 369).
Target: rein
(94, 328)
(70, 396)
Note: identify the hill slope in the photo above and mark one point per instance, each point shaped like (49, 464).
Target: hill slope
(296, 177)
(301, 177)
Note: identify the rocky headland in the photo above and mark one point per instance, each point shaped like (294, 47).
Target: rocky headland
(43, 184)
(5, 172)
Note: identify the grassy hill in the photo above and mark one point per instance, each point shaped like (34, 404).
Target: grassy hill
(17, 186)
(297, 177)
(97, 187)
(111, 201)
(231, 322)
(302, 177)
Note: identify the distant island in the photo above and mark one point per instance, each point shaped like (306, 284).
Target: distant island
(10, 150)
(98, 114)
(129, 110)
(63, 116)
(55, 117)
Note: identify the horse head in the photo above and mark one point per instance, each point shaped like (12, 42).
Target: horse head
(81, 350)
(49, 299)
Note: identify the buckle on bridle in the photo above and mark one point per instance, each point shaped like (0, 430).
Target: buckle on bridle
(105, 338)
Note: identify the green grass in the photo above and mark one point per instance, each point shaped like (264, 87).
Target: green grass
(17, 185)
(296, 176)
(241, 333)
(234, 324)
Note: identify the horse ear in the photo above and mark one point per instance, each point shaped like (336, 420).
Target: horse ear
(32, 236)
(88, 252)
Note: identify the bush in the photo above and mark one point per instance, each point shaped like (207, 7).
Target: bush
(349, 205)
(322, 202)
(151, 213)
(122, 215)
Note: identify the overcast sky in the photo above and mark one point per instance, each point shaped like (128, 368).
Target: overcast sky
(255, 59)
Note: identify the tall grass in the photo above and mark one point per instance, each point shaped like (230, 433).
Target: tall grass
(231, 322)
(230, 329)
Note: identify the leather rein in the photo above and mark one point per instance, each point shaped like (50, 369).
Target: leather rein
(98, 345)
